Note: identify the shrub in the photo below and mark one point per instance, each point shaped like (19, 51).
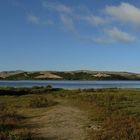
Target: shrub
(10, 122)
(49, 87)
(41, 102)
(3, 135)
(20, 134)
(119, 127)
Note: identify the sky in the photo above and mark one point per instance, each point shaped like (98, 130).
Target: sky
(70, 35)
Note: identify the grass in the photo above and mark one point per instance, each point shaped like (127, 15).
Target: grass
(113, 110)
(39, 101)
(10, 125)
(118, 127)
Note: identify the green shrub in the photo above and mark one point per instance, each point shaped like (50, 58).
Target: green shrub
(40, 101)
(49, 87)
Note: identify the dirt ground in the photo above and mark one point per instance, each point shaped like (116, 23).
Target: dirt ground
(62, 122)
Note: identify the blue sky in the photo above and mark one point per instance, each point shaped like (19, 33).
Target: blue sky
(70, 35)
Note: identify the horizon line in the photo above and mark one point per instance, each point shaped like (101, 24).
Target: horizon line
(74, 70)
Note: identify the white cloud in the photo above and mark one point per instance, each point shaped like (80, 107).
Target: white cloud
(71, 16)
(67, 22)
(47, 22)
(101, 40)
(34, 19)
(93, 39)
(111, 36)
(65, 13)
(120, 36)
(58, 7)
(37, 20)
(93, 20)
(125, 12)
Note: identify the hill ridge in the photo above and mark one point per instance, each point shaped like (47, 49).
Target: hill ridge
(68, 75)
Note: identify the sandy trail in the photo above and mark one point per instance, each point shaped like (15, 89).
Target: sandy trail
(62, 122)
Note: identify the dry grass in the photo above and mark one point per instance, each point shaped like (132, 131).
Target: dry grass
(10, 125)
(41, 101)
(118, 127)
(115, 112)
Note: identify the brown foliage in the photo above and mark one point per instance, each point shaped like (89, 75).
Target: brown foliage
(119, 127)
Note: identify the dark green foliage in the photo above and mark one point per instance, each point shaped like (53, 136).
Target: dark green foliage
(25, 91)
(90, 76)
(19, 76)
(75, 75)
(49, 87)
(23, 76)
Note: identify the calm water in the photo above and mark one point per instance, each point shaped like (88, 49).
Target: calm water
(72, 84)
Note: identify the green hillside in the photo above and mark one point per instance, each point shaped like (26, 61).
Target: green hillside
(69, 75)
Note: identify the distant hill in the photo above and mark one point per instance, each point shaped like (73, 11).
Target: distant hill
(68, 75)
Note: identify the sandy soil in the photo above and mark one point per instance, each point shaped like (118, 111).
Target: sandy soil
(48, 75)
(62, 123)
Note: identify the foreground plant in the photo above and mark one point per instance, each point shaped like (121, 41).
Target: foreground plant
(118, 127)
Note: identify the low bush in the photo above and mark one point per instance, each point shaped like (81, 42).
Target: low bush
(119, 127)
(21, 134)
(40, 101)
(10, 122)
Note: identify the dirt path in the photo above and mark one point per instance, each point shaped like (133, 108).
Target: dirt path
(62, 122)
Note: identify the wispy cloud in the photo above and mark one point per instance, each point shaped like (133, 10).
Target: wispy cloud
(93, 20)
(120, 36)
(101, 40)
(64, 12)
(67, 22)
(124, 12)
(70, 16)
(58, 7)
(47, 22)
(33, 19)
(15, 3)
(38, 21)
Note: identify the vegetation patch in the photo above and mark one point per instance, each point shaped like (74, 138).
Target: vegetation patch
(113, 113)
(10, 125)
(118, 127)
(40, 101)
